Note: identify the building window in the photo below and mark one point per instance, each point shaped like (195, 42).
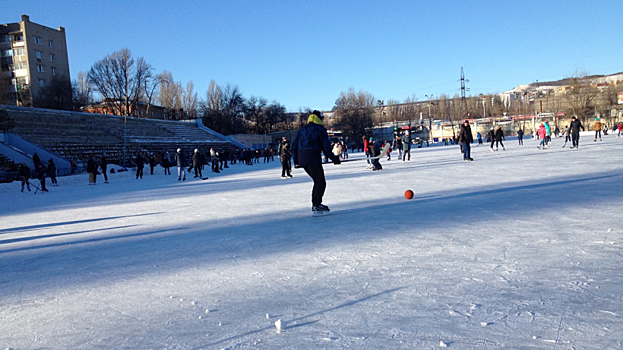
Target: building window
(41, 82)
(18, 37)
(40, 68)
(39, 55)
(53, 70)
(6, 53)
(37, 40)
(50, 43)
(51, 57)
(5, 38)
(18, 52)
(19, 65)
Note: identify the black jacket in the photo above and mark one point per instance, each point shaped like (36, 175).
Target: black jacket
(310, 141)
(465, 134)
(576, 125)
(499, 134)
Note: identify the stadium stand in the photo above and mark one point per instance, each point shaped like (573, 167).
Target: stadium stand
(76, 136)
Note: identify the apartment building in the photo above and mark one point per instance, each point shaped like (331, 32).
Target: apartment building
(31, 56)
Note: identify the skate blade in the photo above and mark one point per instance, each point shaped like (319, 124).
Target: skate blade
(320, 213)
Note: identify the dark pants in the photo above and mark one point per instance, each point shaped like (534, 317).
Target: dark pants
(406, 155)
(286, 168)
(104, 168)
(139, 172)
(316, 172)
(376, 164)
(520, 138)
(466, 151)
(575, 139)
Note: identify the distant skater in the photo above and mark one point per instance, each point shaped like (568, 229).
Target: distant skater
(465, 140)
(575, 127)
(406, 147)
(181, 164)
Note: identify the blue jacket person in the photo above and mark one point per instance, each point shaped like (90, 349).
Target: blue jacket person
(310, 142)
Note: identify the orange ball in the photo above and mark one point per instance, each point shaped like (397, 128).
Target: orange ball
(408, 194)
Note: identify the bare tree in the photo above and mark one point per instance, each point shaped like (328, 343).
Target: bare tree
(354, 113)
(211, 108)
(5, 87)
(275, 114)
(83, 90)
(151, 91)
(233, 103)
(57, 94)
(190, 101)
(580, 96)
(170, 94)
(254, 110)
(120, 80)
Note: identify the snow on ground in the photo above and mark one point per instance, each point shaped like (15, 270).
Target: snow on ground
(519, 249)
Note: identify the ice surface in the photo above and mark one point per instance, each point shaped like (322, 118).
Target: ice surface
(518, 249)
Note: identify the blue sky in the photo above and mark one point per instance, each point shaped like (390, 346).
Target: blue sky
(304, 53)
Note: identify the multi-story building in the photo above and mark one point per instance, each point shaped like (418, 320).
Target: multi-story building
(31, 56)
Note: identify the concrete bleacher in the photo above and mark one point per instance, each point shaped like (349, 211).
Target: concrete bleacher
(76, 135)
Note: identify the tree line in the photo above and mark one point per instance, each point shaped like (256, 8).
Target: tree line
(123, 82)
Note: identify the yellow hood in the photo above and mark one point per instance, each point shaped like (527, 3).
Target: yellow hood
(314, 119)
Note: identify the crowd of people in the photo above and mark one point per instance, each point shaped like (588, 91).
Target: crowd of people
(310, 150)
(41, 171)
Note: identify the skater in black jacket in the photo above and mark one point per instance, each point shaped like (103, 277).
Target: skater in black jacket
(310, 142)
(140, 165)
(465, 140)
(285, 155)
(24, 175)
(51, 172)
(574, 128)
(499, 136)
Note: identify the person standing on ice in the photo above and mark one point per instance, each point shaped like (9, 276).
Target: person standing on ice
(574, 128)
(285, 156)
(597, 128)
(51, 172)
(92, 170)
(520, 137)
(499, 136)
(181, 164)
(196, 163)
(24, 175)
(406, 147)
(465, 140)
(310, 142)
(491, 137)
(548, 135)
(543, 136)
(140, 165)
(104, 167)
